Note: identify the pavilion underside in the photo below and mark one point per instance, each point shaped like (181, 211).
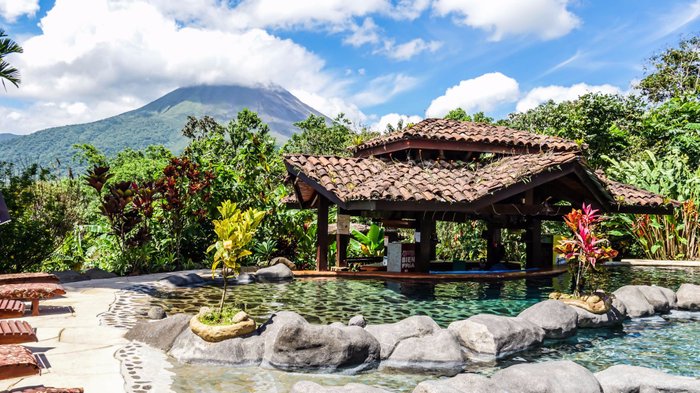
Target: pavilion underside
(516, 187)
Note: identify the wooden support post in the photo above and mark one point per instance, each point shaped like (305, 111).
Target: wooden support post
(341, 254)
(322, 235)
(491, 252)
(533, 250)
(426, 227)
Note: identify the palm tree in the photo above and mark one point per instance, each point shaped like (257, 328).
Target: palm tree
(7, 71)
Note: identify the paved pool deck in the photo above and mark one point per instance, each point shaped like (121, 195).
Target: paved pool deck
(81, 352)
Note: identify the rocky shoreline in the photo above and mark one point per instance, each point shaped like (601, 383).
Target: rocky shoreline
(419, 345)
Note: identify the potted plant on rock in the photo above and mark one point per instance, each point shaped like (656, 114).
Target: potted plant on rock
(235, 230)
(583, 252)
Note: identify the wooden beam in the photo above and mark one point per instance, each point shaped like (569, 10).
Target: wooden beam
(322, 235)
(341, 250)
(315, 185)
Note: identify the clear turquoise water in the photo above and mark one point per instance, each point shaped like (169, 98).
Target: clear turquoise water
(670, 346)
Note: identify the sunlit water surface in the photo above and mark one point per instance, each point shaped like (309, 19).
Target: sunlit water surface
(672, 346)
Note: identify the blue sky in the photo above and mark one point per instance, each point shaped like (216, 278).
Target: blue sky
(376, 60)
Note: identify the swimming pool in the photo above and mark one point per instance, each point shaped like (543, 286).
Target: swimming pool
(672, 346)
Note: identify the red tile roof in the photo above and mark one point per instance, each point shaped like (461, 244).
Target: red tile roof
(460, 131)
(353, 179)
(625, 194)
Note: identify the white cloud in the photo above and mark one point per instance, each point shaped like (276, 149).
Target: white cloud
(555, 93)
(546, 19)
(366, 33)
(409, 9)
(96, 58)
(409, 49)
(482, 93)
(383, 88)
(393, 119)
(302, 13)
(10, 10)
(332, 106)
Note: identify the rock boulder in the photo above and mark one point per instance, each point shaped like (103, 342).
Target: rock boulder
(554, 317)
(459, 384)
(156, 312)
(390, 334)
(497, 336)
(615, 317)
(632, 379)
(298, 345)
(159, 334)
(635, 302)
(437, 353)
(689, 297)
(239, 351)
(662, 299)
(96, 274)
(357, 320)
(284, 261)
(275, 273)
(181, 280)
(547, 377)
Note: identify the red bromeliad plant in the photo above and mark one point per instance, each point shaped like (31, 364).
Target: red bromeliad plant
(586, 248)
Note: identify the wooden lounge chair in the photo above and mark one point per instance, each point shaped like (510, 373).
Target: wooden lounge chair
(31, 292)
(25, 278)
(11, 308)
(44, 389)
(17, 361)
(16, 332)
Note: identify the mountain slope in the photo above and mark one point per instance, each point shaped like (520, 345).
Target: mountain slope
(160, 122)
(7, 136)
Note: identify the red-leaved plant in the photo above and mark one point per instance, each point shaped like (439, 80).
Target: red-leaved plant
(586, 248)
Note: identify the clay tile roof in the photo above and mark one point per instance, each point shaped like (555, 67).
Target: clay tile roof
(355, 179)
(460, 131)
(627, 195)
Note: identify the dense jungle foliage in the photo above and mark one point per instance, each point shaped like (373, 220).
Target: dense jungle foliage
(149, 210)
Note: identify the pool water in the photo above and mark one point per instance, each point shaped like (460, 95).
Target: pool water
(672, 346)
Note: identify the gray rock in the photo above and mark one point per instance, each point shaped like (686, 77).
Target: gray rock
(96, 274)
(284, 261)
(635, 302)
(298, 345)
(615, 317)
(662, 299)
(159, 334)
(156, 312)
(632, 379)
(70, 276)
(554, 317)
(390, 334)
(357, 320)
(459, 384)
(438, 353)
(239, 351)
(180, 280)
(497, 336)
(279, 272)
(337, 325)
(245, 278)
(547, 377)
(312, 387)
(689, 297)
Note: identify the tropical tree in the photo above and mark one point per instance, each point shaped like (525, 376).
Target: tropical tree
(461, 115)
(674, 72)
(7, 71)
(319, 138)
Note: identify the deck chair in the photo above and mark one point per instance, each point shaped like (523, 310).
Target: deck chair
(16, 332)
(17, 361)
(11, 308)
(25, 278)
(31, 292)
